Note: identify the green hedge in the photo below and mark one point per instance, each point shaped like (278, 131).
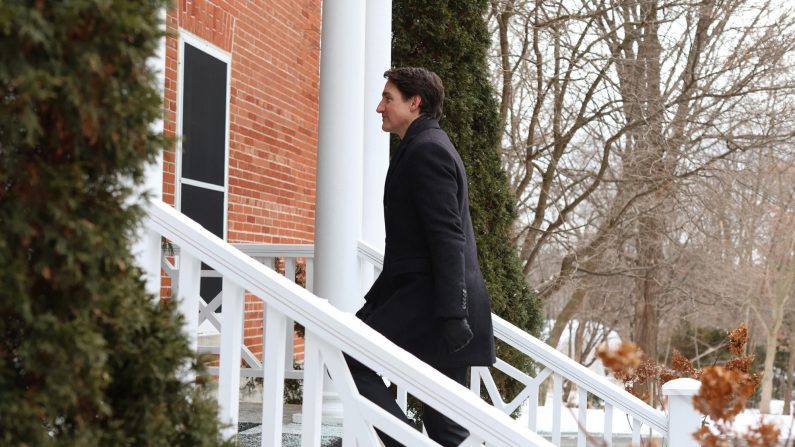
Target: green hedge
(86, 357)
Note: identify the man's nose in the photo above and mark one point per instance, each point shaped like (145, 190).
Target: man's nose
(380, 107)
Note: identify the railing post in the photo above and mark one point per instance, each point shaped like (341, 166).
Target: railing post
(314, 373)
(146, 250)
(189, 278)
(683, 419)
(229, 370)
(273, 361)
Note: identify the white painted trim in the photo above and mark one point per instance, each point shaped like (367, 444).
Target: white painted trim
(205, 185)
(225, 57)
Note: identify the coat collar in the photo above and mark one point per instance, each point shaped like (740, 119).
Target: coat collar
(419, 125)
(416, 127)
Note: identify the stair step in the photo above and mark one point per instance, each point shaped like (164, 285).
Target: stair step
(250, 435)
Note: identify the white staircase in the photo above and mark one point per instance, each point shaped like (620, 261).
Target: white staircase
(247, 268)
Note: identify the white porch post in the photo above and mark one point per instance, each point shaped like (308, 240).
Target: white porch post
(339, 186)
(378, 51)
(338, 214)
(378, 57)
(683, 419)
(147, 248)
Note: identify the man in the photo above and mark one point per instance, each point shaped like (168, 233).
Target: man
(430, 298)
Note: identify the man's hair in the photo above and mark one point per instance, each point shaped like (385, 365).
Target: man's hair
(418, 81)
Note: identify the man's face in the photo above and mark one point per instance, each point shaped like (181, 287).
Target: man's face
(397, 112)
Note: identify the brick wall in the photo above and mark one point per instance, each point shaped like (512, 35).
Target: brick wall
(274, 92)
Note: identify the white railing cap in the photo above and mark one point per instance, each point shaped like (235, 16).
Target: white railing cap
(684, 386)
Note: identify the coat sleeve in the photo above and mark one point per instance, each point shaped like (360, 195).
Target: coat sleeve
(435, 193)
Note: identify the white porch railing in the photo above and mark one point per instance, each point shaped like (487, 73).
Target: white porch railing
(290, 256)
(561, 368)
(328, 333)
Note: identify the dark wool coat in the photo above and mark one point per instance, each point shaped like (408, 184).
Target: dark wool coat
(431, 269)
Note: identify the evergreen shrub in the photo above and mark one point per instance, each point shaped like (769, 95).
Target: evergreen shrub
(87, 358)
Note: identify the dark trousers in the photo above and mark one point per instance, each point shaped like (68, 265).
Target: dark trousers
(440, 428)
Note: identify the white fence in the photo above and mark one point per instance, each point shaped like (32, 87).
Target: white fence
(328, 332)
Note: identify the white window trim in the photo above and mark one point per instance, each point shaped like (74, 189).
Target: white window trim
(225, 57)
(205, 185)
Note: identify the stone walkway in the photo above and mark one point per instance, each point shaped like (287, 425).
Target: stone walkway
(250, 428)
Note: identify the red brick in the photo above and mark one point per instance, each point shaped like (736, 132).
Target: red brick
(274, 89)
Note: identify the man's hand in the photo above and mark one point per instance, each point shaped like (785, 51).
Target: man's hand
(456, 333)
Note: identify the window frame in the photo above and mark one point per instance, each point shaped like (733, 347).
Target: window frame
(185, 37)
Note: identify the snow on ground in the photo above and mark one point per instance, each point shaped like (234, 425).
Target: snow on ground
(568, 422)
(752, 417)
(595, 419)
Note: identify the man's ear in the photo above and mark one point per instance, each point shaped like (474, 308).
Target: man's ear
(416, 100)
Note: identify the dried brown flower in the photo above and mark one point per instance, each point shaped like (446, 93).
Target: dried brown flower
(740, 363)
(723, 393)
(706, 438)
(737, 339)
(622, 361)
(764, 435)
(667, 375)
(682, 365)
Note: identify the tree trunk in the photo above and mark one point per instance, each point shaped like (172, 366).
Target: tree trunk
(767, 375)
(790, 372)
(568, 312)
(650, 256)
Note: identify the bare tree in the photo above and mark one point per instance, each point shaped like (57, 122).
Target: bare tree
(611, 108)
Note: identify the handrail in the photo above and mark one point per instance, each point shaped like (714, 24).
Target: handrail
(568, 368)
(559, 363)
(277, 250)
(272, 250)
(344, 331)
(371, 254)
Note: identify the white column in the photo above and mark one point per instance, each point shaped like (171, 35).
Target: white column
(378, 50)
(339, 184)
(147, 248)
(683, 419)
(338, 215)
(378, 57)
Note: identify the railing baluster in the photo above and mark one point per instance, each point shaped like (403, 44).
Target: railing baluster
(608, 427)
(532, 409)
(313, 392)
(636, 425)
(289, 345)
(557, 406)
(229, 370)
(289, 268)
(356, 428)
(472, 441)
(189, 277)
(474, 380)
(582, 416)
(366, 276)
(273, 376)
(310, 275)
(403, 399)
